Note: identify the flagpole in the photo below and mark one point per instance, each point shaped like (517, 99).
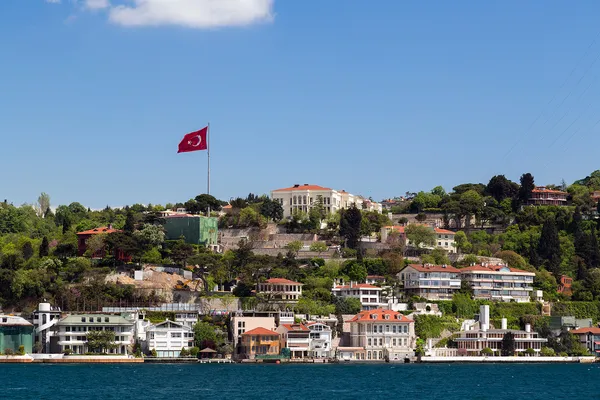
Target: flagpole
(208, 154)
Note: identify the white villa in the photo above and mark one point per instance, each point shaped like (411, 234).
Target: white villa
(432, 282)
(279, 290)
(379, 335)
(369, 295)
(320, 340)
(72, 332)
(499, 282)
(169, 337)
(303, 197)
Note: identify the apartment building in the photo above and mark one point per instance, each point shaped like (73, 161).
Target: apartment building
(168, 338)
(369, 295)
(432, 282)
(499, 282)
(72, 332)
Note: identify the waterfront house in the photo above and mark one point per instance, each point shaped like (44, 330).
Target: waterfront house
(499, 282)
(260, 342)
(295, 337)
(472, 341)
(44, 319)
(14, 333)
(369, 295)
(168, 338)
(383, 334)
(590, 338)
(320, 340)
(431, 282)
(72, 331)
(279, 290)
(242, 322)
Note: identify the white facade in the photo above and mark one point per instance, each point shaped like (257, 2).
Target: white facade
(499, 282)
(303, 197)
(189, 318)
(320, 340)
(383, 334)
(369, 295)
(296, 337)
(432, 282)
(72, 332)
(44, 320)
(279, 290)
(444, 238)
(169, 337)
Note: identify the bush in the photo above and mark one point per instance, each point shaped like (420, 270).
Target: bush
(21, 350)
(9, 352)
(67, 352)
(153, 352)
(563, 354)
(194, 351)
(184, 352)
(487, 352)
(530, 352)
(547, 352)
(348, 253)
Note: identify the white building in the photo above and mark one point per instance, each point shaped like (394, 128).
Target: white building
(303, 197)
(369, 295)
(72, 332)
(382, 334)
(279, 290)
(444, 238)
(44, 320)
(499, 282)
(169, 337)
(320, 340)
(296, 337)
(432, 282)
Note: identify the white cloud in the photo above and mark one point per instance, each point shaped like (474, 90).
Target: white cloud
(96, 4)
(53, 1)
(192, 13)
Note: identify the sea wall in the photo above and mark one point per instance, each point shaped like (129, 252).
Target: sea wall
(483, 359)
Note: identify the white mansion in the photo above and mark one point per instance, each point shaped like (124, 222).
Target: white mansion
(303, 197)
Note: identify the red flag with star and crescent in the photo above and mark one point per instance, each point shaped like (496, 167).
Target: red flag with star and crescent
(194, 141)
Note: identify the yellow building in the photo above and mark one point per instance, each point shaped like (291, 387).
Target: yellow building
(260, 342)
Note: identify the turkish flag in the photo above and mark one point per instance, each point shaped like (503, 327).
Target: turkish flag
(194, 141)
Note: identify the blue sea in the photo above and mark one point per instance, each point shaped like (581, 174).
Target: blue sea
(271, 381)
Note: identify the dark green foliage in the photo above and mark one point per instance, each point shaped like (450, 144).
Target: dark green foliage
(350, 224)
(508, 344)
(44, 247)
(549, 247)
(527, 186)
(501, 188)
(271, 210)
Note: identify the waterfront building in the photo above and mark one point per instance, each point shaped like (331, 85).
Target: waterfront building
(471, 342)
(279, 290)
(169, 337)
(542, 196)
(296, 337)
(444, 238)
(304, 197)
(369, 295)
(590, 338)
(499, 282)
(320, 340)
(14, 333)
(44, 319)
(243, 322)
(260, 342)
(382, 334)
(431, 282)
(72, 331)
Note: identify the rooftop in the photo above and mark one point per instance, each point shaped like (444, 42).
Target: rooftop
(542, 189)
(99, 231)
(380, 315)
(12, 320)
(592, 330)
(260, 331)
(494, 268)
(295, 327)
(433, 268)
(306, 186)
(282, 281)
(357, 286)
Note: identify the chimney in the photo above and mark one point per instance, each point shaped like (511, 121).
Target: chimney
(109, 226)
(351, 284)
(484, 317)
(528, 328)
(306, 184)
(504, 323)
(297, 185)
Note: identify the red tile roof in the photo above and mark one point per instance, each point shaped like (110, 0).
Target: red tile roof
(400, 229)
(302, 187)
(434, 268)
(394, 316)
(295, 327)
(542, 189)
(593, 330)
(444, 231)
(98, 231)
(358, 286)
(283, 281)
(260, 331)
(492, 268)
(375, 277)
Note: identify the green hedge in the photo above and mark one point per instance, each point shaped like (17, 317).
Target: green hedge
(578, 309)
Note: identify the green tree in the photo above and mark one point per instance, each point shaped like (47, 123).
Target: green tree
(318, 247)
(43, 204)
(508, 344)
(100, 341)
(272, 210)
(350, 223)
(129, 226)
(461, 242)
(181, 251)
(150, 235)
(206, 335)
(294, 246)
(44, 247)
(549, 247)
(487, 352)
(501, 188)
(527, 186)
(420, 235)
(349, 305)
(355, 271)
(95, 244)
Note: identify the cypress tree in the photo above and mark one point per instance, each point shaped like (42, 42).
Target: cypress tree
(350, 221)
(44, 247)
(549, 247)
(534, 258)
(129, 222)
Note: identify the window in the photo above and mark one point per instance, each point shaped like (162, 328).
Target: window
(175, 334)
(68, 329)
(106, 318)
(98, 319)
(439, 243)
(82, 319)
(445, 243)
(381, 341)
(369, 342)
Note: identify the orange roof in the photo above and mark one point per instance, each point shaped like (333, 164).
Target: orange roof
(594, 330)
(282, 281)
(295, 327)
(228, 206)
(357, 286)
(434, 268)
(98, 231)
(399, 228)
(492, 268)
(380, 314)
(446, 231)
(542, 189)
(260, 331)
(302, 187)
(375, 277)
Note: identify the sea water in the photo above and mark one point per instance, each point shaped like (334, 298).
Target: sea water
(307, 381)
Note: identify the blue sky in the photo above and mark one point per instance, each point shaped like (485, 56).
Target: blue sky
(377, 98)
